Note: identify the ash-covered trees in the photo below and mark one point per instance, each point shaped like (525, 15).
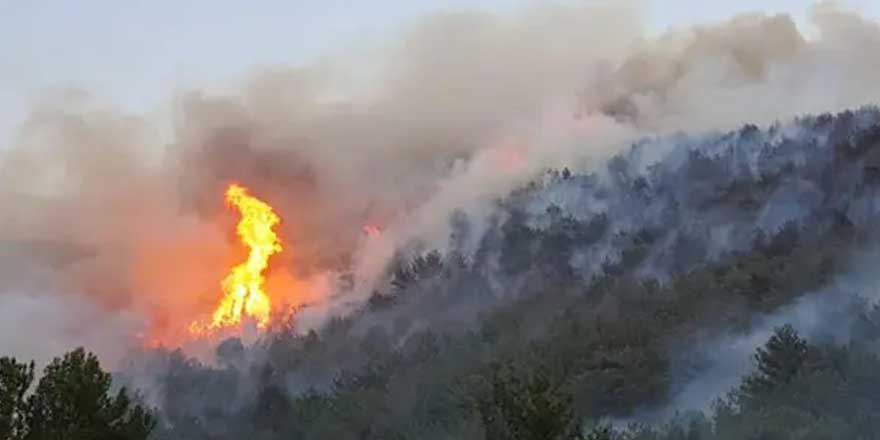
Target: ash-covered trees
(72, 401)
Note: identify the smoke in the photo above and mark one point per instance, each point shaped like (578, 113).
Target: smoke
(826, 316)
(722, 362)
(461, 109)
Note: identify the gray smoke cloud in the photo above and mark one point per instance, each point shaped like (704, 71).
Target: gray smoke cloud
(460, 109)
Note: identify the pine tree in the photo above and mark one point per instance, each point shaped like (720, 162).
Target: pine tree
(525, 404)
(15, 379)
(72, 401)
(779, 361)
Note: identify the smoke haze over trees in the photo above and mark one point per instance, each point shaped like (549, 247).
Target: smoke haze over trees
(536, 226)
(462, 109)
(646, 304)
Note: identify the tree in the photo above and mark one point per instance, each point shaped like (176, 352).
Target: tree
(15, 379)
(525, 404)
(779, 361)
(72, 401)
(421, 267)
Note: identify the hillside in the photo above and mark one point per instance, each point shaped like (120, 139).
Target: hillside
(630, 294)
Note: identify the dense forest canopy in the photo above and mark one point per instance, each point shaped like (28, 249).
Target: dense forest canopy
(709, 287)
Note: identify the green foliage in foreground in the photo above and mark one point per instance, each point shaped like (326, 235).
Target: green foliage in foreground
(71, 401)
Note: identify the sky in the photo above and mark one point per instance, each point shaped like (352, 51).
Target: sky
(136, 53)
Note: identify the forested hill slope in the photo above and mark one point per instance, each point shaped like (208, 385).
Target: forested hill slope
(616, 295)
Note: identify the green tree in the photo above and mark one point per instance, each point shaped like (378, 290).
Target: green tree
(72, 401)
(15, 379)
(779, 361)
(525, 404)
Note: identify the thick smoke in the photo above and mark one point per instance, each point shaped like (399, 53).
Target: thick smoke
(460, 110)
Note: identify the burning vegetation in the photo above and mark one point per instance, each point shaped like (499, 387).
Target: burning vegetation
(244, 292)
(494, 287)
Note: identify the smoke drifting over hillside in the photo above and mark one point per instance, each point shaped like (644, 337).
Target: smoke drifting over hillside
(106, 208)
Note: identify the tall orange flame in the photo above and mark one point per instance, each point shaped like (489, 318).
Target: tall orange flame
(243, 292)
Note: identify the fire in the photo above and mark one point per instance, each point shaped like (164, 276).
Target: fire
(244, 295)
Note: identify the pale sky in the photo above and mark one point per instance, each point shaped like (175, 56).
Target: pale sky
(135, 53)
